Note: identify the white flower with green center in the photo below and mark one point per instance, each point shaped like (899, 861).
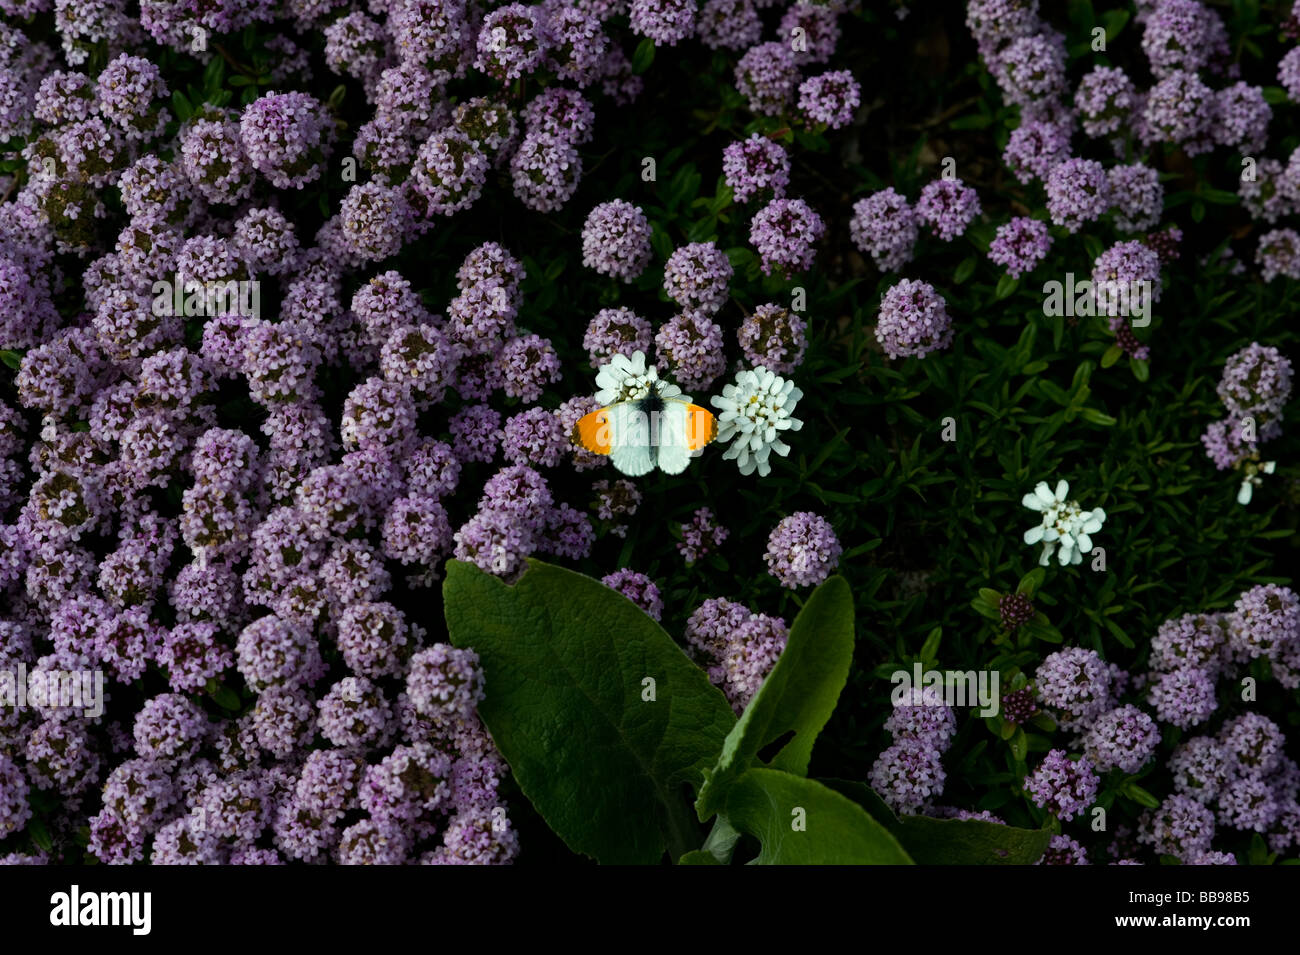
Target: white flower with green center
(753, 414)
(629, 379)
(1065, 524)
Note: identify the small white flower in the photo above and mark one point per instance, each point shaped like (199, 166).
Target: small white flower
(1065, 523)
(1252, 479)
(629, 379)
(754, 412)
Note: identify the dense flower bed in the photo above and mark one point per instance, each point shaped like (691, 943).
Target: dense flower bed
(300, 301)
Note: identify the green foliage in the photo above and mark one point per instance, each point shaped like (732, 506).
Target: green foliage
(564, 658)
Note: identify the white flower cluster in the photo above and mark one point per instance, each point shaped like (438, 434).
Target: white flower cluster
(753, 414)
(1065, 524)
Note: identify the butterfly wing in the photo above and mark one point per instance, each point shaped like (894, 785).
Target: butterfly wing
(593, 432)
(672, 450)
(630, 448)
(701, 427)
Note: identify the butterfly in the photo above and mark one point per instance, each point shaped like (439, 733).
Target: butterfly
(647, 422)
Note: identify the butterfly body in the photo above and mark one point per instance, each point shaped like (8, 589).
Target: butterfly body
(641, 434)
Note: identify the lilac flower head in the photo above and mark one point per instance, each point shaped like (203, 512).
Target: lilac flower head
(1062, 786)
(1256, 381)
(374, 639)
(445, 684)
(488, 124)
(1183, 698)
(1192, 641)
(701, 536)
(476, 433)
(1035, 148)
(947, 206)
(693, 344)
(449, 172)
(767, 76)
(736, 646)
(1137, 197)
(831, 98)
(784, 232)
(1254, 742)
(1278, 253)
(287, 137)
(1020, 245)
(274, 652)
(1180, 109)
(1265, 621)
(1077, 192)
(616, 240)
(1123, 738)
(885, 226)
(908, 775)
(1242, 118)
(1105, 99)
(545, 170)
(1031, 72)
(729, 24)
(169, 728)
(773, 337)
(802, 550)
(535, 437)
(923, 716)
(913, 320)
(1076, 684)
(756, 168)
(615, 331)
(638, 588)
(663, 21)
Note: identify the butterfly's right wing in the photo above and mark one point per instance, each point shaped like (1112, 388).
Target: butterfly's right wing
(630, 448)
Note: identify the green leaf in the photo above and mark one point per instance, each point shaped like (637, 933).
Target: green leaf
(1141, 370)
(11, 359)
(1141, 796)
(950, 841)
(930, 649)
(1030, 583)
(564, 659)
(644, 56)
(964, 270)
(40, 835)
(1019, 744)
(1111, 355)
(698, 857)
(970, 842)
(1096, 416)
(798, 695)
(1006, 287)
(182, 106)
(224, 696)
(771, 805)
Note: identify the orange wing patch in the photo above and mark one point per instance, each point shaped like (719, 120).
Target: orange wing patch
(701, 427)
(593, 432)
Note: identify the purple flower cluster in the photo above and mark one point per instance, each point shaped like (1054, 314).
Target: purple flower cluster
(736, 646)
(909, 774)
(913, 320)
(802, 550)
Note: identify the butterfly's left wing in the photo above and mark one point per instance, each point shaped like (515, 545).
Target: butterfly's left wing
(630, 450)
(683, 430)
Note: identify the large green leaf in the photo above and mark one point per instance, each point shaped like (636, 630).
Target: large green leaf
(771, 806)
(798, 695)
(564, 660)
(950, 841)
